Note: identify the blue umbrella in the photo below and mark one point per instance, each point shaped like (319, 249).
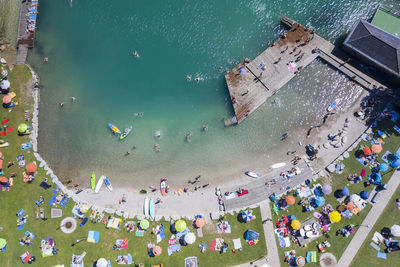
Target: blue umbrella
(364, 194)
(376, 177)
(320, 201)
(318, 192)
(345, 191)
(326, 189)
(247, 215)
(383, 167)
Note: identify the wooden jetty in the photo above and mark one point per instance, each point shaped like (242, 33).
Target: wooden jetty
(26, 37)
(251, 83)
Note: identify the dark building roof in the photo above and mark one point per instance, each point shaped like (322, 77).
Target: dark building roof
(375, 45)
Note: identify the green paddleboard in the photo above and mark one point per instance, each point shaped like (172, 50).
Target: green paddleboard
(93, 181)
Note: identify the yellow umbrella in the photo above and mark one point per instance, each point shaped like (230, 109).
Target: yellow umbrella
(335, 216)
(296, 224)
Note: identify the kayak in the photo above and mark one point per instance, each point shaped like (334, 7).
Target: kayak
(93, 181)
(162, 187)
(99, 184)
(125, 133)
(114, 128)
(253, 174)
(277, 165)
(151, 208)
(143, 191)
(146, 207)
(107, 182)
(333, 105)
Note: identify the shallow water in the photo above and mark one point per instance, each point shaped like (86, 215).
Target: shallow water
(90, 57)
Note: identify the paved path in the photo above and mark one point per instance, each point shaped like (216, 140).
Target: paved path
(372, 217)
(272, 258)
(258, 191)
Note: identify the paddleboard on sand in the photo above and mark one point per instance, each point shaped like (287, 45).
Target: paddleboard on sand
(162, 186)
(277, 165)
(333, 105)
(253, 174)
(93, 181)
(107, 183)
(99, 184)
(146, 207)
(151, 208)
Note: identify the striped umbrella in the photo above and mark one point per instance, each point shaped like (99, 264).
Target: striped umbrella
(300, 261)
(247, 215)
(4, 73)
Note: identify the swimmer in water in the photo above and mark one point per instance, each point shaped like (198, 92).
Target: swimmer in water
(158, 134)
(46, 59)
(188, 136)
(136, 54)
(198, 79)
(188, 78)
(139, 114)
(205, 128)
(61, 104)
(73, 99)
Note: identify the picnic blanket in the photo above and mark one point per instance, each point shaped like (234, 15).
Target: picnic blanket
(173, 248)
(224, 228)
(245, 192)
(139, 232)
(212, 245)
(125, 259)
(191, 261)
(386, 155)
(304, 191)
(381, 255)
(45, 185)
(237, 244)
(375, 246)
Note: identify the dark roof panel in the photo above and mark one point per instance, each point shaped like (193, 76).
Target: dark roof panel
(375, 44)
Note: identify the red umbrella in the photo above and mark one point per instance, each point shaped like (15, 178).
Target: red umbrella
(200, 222)
(376, 148)
(157, 250)
(3, 179)
(367, 151)
(7, 99)
(31, 167)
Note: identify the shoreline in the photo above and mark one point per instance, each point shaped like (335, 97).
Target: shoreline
(203, 201)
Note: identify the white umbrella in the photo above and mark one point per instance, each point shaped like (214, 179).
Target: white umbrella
(190, 238)
(102, 262)
(5, 84)
(395, 230)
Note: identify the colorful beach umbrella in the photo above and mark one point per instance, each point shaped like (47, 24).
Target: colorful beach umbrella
(3, 179)
(4, 73)
(200, 222)
(144, 224)
(31, 167)
(367, 151)
(290, 200)
(190, 238)
(3, 243)
(157, 250)
(296, 224)
(300, 261)
(22, 128)
(7, 99)
(180, 225)
(326, 189)
(383, 167)
(335, 216)
(376, 148)
(247, 215)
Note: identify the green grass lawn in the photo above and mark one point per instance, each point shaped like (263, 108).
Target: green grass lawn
(23, 195)
(338, 181)
(367, 255)
(9, 19)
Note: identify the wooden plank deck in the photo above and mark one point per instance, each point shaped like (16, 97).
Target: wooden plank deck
(25, 39)
(249, 86)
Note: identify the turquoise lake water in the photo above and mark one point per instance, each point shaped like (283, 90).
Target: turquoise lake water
(90, 47)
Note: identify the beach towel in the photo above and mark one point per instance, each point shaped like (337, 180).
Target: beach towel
(275, 209)
(375, 246)
(139, 232)
(308, 257)
(26, 146)
(199, 232)
(55, 190)
(3, 249)
(224, 228)
(31, 236)
(381, 255)
(317, 214)
(52, 200)
(313, 256)
(191, 261)
(230, 196)
(9, 129)
(382, 133)
(5, 121)
(20, 213)
(385, 157)
(116, 223)
(125, 259)
(396, 128)
(20, 227)
(162, 232)
(64, 201)
(212, 245)
(173, 248)
(361, 161)
(237, 244)
(245, 192)
(44, 185)
(362, 174)
(3, 134)
(378, 238)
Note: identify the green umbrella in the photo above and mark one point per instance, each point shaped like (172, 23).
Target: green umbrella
(22, 128)
(3, 243)
(144, 224)
(180, 225)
